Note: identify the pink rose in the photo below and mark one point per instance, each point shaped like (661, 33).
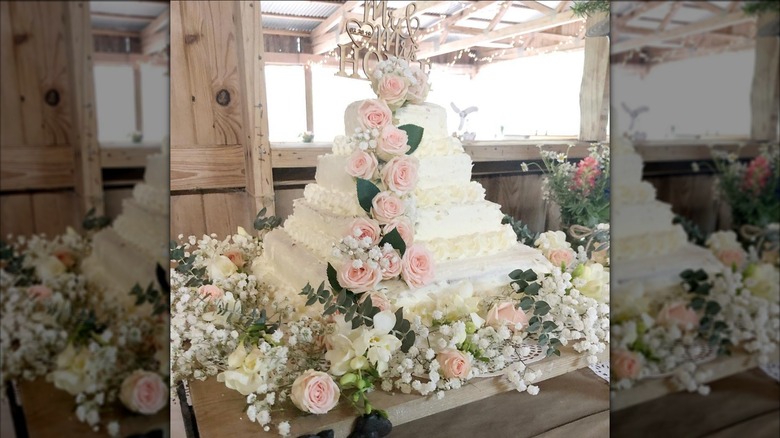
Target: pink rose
(390, 262)
(400, 174)
(362, 279)
(386, 207)
(418, 92)
(392, 142)
(39, 292)
(315, 392)
(625, 364)
(392, 89)
(362, 228)
(732, 257)
(678, 314)
(417, 266)
(453, 364)
(361, 164)
(506, 314)
(209, 291)
(65, 257)
(144, 392)
(404, 227)
(374, 113)
(378, 300)
(236, 257)
(561, 257)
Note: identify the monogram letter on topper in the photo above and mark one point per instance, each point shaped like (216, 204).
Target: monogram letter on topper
(381, 34)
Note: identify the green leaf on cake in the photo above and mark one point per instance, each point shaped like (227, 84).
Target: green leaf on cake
(366, 190)
(415, 134)
(395, 240)
(333, 279)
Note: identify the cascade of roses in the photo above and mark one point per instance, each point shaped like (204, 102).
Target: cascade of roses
(381, 158)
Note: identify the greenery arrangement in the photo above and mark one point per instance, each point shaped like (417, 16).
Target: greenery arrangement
(590, 7)
(760, 7)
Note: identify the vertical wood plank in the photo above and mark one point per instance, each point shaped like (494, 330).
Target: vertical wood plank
(16, 216)
(89, 180)
(54, 212)
(594, 101)
(11, 123)
(53, 68)
(139, 118)
(225, 212)
(187, 216)
(24, 23)
(223, 60)
(197, 25)
(255, 117)
(183, 104)
(765, 92)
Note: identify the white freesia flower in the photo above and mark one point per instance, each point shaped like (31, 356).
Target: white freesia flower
(220, 268)
(552, 240)
(375, 344)
(763, 280)
(220, 319)
(723, 240)
(71, 372)
(592, 280)
(247, 372)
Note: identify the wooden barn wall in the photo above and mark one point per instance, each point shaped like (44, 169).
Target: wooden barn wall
(212, 116)
(693, 197)
(37, 174)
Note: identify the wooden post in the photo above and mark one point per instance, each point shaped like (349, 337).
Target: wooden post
(251, 66)
(83, 133)
(309, 98)
(594, 92)
(139, 120)
(765, 93)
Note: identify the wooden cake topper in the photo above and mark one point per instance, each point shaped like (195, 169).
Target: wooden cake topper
(379, 36)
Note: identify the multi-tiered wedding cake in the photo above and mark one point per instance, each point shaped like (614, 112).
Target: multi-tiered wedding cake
(128, 252)
(445, 212)
(648, 251)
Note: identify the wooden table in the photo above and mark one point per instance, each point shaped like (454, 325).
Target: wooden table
(218, 410)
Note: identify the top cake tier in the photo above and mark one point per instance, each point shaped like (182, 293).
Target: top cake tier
(431, 117)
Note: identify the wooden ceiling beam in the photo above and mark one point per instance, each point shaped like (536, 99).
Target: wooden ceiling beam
(117, 33)
(123, 17)
(285, 32)
(668, 17)
(335, 18)
(499, 16)
(539, 24)
(639, 10)
(704, 5)
(682, 31)
(154, 37)
(561, 6)
(544, 9)
(453, 19)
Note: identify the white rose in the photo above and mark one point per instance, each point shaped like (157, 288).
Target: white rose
(247, 371)
(592, 280)
(552, 240)
(723, 240)
(221, 267)
(49, 268)
(763, 280)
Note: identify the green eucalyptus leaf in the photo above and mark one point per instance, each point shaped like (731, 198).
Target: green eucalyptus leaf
(333, 279)
(395, 240)
(532, 289)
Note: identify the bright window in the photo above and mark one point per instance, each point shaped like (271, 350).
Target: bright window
(155, 103)
(286, 102)
(115, 100)
(331, 95)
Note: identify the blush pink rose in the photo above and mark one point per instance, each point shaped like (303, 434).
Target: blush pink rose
(361, 228)
(392, 142)
(144, 392)
(390, 262)
(561, 257)
(374, 113)
(732, 257)
(378, 300)
(625, 364)
(400, 174)
(315, 392)
(361, 164)
(65, 257)
(386, 207)
(453, 364)
(418, 92)
(404, 227)
(209, 291)
(678, 314)
(236, 257)
(417, 266)
(392, 89)
(39, 292)
(506, 314)
(362, 279)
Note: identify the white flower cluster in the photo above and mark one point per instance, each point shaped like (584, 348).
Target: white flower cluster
(364, 139)
(394, 66)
